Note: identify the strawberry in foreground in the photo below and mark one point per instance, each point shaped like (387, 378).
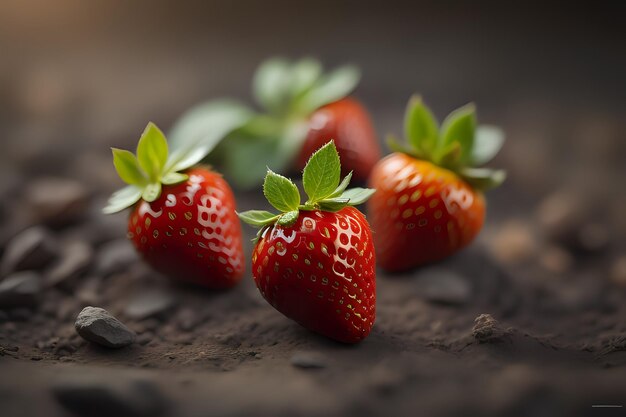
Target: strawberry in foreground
(302, 108)
(315, 262)
(429, 201)
(183, 221)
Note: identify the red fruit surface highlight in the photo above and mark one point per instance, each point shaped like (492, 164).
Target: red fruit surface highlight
(320, 272)
(191, 232)
(349, 125)
(421, 213)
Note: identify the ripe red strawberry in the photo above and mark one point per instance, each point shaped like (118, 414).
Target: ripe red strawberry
(183, 224)
(315, 262)
(345, 121)
(429, 200)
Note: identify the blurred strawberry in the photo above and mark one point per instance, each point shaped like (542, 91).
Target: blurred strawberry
(315, 262)
(183, 221)
(429, 201)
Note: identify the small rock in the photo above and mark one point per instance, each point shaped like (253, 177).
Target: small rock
(75, 259)
(98, 326)
(115, 256)
(56, 201)
(444, 286)
(145, 338)
(150, 304)
(21, 289)
(618, 271)
(187, 319)
(34, 248)
(308, 360)
(513, 242)
(101, 395)
(487, 329)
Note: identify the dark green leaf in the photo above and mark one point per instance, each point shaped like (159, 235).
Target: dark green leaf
(289, 218)
(281, 192)
(122, 199)
(322, 173)
(420, 126)
(460, 126)
(487, 143)
(483, 178)
(152, 151)
(128, 168)
(358, 195)
(333, 204)
(258, 218)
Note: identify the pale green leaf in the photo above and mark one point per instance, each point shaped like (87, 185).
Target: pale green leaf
(152, 151)
(358, 195)
(483, 178)
(329, 88)
(487, 143)
(304, 74)
(342, 186)
(127, 167)
(281, 192)
(322, 173)
(271, 84)
(333, 204)
(258, 218)
(420, 126)
(151, 192)
(122, 199)
(395, 146)
(289, 218)
(460, 126)
(173, 178)
(200, 129)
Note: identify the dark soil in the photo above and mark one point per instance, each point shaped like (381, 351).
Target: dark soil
(529, 320)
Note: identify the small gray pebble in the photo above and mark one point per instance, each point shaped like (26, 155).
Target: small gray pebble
(21, 289)
(98, 326)
(308, 360)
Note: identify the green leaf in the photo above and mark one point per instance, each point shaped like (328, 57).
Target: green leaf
(420, 126)
(395, 146)
(483, 178)
(289, 218)
(450, 156)
(122, 199)
(460, 126)
(281, 192)
(487, 143)
(342, 186)
(358, 195)
(151, 192)
(304, 74)
(258, 218)
(127, 167)
(271, 84)
(322, 173)
(173, 178)
(200, 129)
(333, 204)
(152, 151)
(332, 87)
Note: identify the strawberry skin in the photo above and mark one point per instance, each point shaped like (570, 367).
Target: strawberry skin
(347, 123)
(191, 232)
(320, 272)
(421, 213)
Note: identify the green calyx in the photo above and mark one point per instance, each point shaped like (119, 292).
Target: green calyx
(153, 166)
(460, 144)
(321, 180)
(287, 92)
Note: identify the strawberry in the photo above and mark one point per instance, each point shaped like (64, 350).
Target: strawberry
(347, 122)
(183, 221)
(315, 262)
(302, 108)
(429, 201)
